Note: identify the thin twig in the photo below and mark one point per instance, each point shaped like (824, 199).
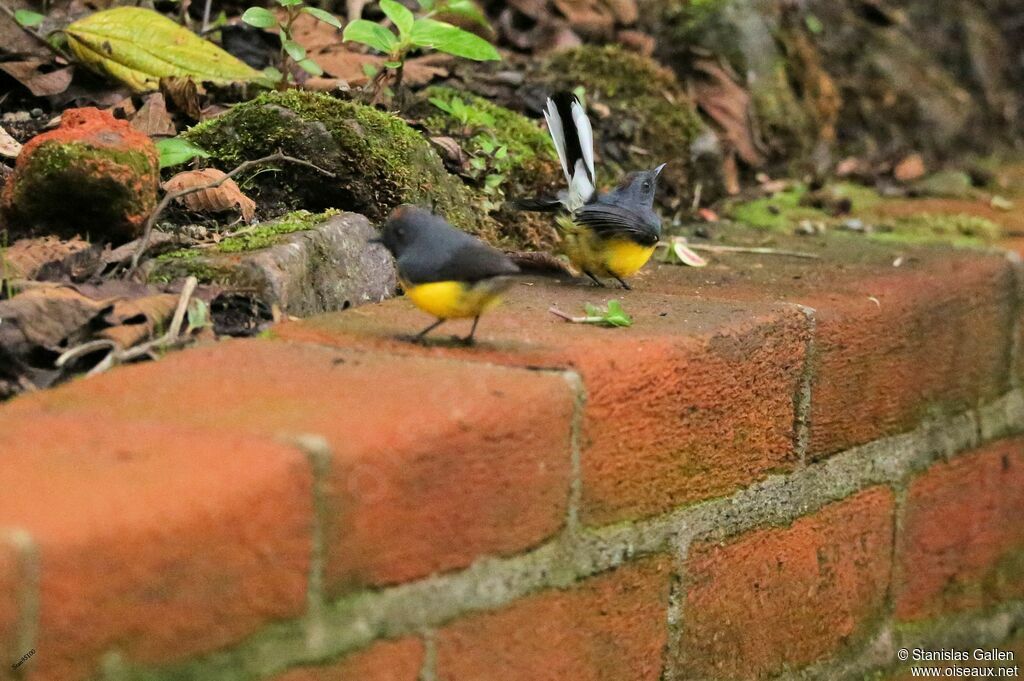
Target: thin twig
(575, 320)
(147, 230)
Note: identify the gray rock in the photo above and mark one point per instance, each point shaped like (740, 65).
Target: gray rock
(326, 268)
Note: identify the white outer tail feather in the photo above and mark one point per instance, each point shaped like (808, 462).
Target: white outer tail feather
(582, 178)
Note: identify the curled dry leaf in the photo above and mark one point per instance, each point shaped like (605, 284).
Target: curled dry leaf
(218, 199)
(723, 99)
(910, 168)
(183, 93)
(44, 317)
(26, 257)
(450, 150)
(679, 252)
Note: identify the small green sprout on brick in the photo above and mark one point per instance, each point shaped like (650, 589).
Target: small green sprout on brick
(613, 315)
(291, 51)
(420, 33)
(174, 151)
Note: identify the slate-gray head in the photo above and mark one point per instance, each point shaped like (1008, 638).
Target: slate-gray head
(636, 193)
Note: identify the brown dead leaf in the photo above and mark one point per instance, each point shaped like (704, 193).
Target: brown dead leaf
(450, 151)
(9, 147)
(24, 258)
(183, 93)
(34, 75)
(152, 119)
(625, 11)
(728, 104)
(218, 199)
(637, 41)
(134, 321)
(314, 35)
(45, 317)
(348, 66)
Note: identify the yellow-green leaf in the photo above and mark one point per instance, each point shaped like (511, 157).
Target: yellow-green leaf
(138, 47)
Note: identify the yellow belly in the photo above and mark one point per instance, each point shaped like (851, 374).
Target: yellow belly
(615, 257)
(453, 299)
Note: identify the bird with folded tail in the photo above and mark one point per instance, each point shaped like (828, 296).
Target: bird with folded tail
(605, 234)
(444, 271)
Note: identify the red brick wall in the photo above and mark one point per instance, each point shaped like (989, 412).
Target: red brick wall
(793, 467)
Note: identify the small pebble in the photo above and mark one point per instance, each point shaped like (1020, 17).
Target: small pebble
(36, 113)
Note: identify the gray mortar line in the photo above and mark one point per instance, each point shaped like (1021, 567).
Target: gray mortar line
(319, 455)
(1017, 268)
(579, 392)
(428, 672)
(492, 582)
(28, 598)
(802, 399)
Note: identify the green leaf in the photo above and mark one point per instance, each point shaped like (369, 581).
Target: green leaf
(427, 5)
(294, 50)
(259, 17)
(814, 24)
(492, 181)
(198, 314)
(369, 70)
(289, 3)
(310, 67)
(441, 104)
(452, 40)
(323, 16)
(28, 18)
(399, 14)
(392, 64)
(501, 153)
(174, 151)
(616, 316)
(371, 34)
(138, 47)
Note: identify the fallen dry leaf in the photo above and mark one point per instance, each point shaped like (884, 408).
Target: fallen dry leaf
(728, 105)
(152, 119)
(587, 17)
(218, 199)
(625, 11)
(9, 147)
(40, 82)
(45, 317)
(183, 94)
(134, 321)
(25, 257)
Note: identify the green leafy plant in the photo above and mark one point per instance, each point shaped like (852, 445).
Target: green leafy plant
(28, 18)
(488, 158)
(261, 17)
(613, 315)
(174, 151)
(421, 33)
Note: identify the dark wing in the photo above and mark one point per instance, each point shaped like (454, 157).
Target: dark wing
(609, 220)
(541, 203)
(469, 262)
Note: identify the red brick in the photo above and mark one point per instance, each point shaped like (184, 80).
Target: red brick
(436, 462)
(693, 401)
(386, 661)
(608, 628)
(163, 542)
(962, 543)
(892, 344)
(785, 597)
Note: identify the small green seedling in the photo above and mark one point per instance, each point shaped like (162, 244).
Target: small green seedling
(290, 50)
(175, 151)
(27, 18)
(421, 33)
(612, 316)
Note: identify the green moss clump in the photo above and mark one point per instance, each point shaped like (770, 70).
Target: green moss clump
(649, 118)
(377, 160)
(269, 234)
(957, 229)
(780, 212)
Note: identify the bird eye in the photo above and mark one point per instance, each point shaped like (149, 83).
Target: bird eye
(646, 186)
(401, 232)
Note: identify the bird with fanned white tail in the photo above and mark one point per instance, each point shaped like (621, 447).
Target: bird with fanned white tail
(605, 234)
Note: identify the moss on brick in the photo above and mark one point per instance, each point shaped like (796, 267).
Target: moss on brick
(377, 160)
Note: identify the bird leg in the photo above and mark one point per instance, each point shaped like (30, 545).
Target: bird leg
(624, 284)
(594, 279)
(419, 338)
(468, 340)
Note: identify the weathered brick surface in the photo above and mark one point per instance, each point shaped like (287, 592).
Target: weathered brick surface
(786, 597)
(163, 542)
(436, 462)
(609, 628)
(694, 401)
(892, 345)
(399, 660)
(962, 543)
